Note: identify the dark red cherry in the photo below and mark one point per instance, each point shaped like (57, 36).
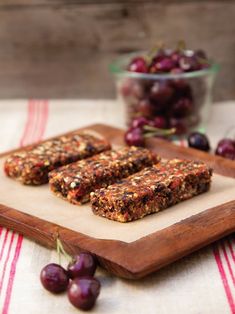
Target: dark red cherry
(182, 108)
(139, 65)
(83, 264)
(226, 141)
(161, 92)
(125, 87)
(83, 292)
(162, 64)
(145, 108)
(175, 56)
(159, 122)
(139, 122)
(179, 125)
(199, 141)
(134, 137)
(189, 63)
(181, 89)
(54, 278)
(226, 148)
(137, 89)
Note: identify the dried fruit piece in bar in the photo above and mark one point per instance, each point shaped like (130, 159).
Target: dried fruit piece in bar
(74, 182)
(31, 166)
(151, 190)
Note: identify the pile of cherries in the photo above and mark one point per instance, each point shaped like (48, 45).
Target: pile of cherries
(78, 279)
(142, 128)
(171, 100)
(225, 147)
(175, 61)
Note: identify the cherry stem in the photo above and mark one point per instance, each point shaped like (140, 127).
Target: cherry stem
(152, 131)
(153, 51)
(60, 249)
(181, 45)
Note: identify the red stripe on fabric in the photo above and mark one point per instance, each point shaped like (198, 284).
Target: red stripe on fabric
(42, 125)
(38, 106)
(6, 260)
(228, 263)
(4, 244)
(28, 124)
(224, 278)
(42, 111)
(231, 250)
(33, 123)
(45, 112)
(12, 275)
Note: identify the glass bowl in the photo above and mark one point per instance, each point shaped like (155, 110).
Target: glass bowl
(168, 100)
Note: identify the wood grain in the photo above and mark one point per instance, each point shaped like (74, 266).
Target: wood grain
(150, 253)
(61, 49)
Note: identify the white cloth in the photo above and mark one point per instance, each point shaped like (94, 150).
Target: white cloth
(203, 282)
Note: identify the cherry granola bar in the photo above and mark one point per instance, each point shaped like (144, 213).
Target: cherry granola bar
(75, 181)
(151, 190)
(32, 165)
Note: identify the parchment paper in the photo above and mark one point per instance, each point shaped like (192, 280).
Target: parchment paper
(40, 202)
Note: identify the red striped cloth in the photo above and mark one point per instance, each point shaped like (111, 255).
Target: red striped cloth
(10, 242)
(224, 255)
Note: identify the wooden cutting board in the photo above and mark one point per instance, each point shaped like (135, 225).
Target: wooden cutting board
(135, 249)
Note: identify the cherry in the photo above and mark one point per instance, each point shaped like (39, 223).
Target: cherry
(226, 141)
(126, 87)
(181, 89)
(54, 278)
(188, 63)
(134, 136)
(182, 108)
(83, 292)
(162, 64)
(82, 265)
(145, 108)
(139, 122)
(179, 125)
(199, 141)
(160, 93)
(159, 122)
(139, 65)
(226, 148)
(137, 90)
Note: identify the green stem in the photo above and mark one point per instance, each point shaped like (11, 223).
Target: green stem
(61, 249)
(181, 45)
(153, 51)
(151, 131)
(58, 250)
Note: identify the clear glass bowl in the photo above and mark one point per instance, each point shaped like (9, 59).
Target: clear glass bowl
(181, 100)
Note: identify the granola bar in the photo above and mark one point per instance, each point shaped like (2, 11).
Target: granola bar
(74, 182)
(31, 166)
(151, 190)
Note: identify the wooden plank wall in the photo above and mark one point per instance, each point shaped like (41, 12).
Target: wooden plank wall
(59, 48)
